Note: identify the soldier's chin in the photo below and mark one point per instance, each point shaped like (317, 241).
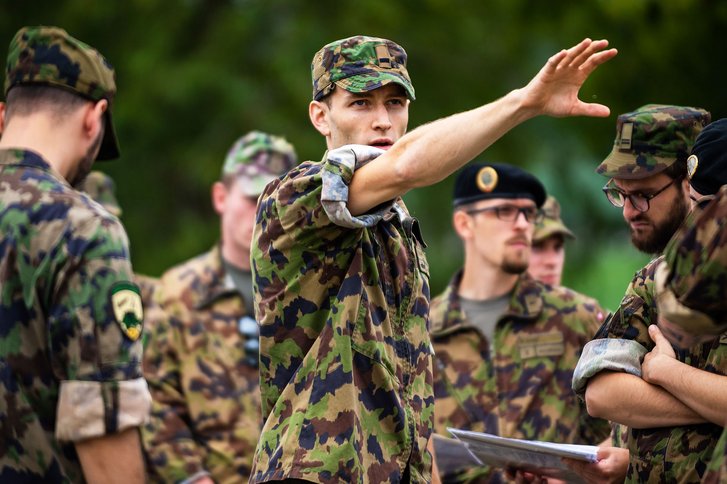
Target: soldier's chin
(514, 267)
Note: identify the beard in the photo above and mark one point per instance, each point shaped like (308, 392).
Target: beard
(86, 163)
(655, 241)
(515, 264)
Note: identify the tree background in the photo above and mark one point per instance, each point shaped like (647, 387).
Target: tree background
(194, 75)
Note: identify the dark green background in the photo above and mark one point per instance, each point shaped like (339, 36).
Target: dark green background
(194, 75)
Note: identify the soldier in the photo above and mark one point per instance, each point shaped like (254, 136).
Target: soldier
(202, 364)
(505, 344)
(548, 250)
(690, 289)
(341, 279)
(610, 373)
(73, 394)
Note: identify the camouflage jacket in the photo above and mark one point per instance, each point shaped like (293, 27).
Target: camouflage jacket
(717, 470)
(518, 385)
(662, 454)
(345, 355)
(70, 365)
(202, 371)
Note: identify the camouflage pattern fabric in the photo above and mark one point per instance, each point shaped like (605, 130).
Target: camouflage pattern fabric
(206, 412)
(359, 64)
(551, 224)
(518, 385)
(101, 187)
(49, 56)
(345, 355)
(71, 368)
(717, 470)
(665, 454)
(651, 139)
(693, 293)
(258, 158)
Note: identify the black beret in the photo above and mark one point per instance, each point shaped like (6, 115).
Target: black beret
(707, 165)
(482, 181)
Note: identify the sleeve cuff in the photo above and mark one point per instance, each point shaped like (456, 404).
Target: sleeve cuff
(337, 174)
(612, 354)
(88, 409)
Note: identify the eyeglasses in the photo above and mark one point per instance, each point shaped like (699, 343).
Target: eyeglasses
(703, 200)
(640, 201)
(510, 213)
(248, 328)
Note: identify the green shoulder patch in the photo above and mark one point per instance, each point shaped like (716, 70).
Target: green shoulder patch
(128, 309)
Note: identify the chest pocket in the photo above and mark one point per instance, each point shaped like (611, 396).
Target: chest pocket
(540, 345)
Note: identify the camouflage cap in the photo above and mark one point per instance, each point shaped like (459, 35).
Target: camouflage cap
(259, 158)
(691, 286)
(359, 64)
(551, 223)
(651, 139)
(50, 56)
(102, 189)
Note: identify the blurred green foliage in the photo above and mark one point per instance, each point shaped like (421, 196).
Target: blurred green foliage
(194, 75)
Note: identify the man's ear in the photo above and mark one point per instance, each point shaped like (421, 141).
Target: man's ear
(318, 113)
(462, 224)
(2, 117)
(219, 196)
(93, 118)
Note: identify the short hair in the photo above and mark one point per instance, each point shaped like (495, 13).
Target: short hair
(677, 170)
(24, 100)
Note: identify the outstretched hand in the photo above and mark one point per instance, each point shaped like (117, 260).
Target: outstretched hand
(554, 90)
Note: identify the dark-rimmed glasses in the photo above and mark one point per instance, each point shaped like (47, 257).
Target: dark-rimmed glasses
(640, 201)
(510, 213)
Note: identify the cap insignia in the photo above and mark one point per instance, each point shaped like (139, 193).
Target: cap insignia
(487, 179)
(692, 164)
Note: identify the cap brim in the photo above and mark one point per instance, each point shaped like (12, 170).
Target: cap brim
(255, 186)
(363, 83)
(629, 166)
(109, 145)
(551, 230)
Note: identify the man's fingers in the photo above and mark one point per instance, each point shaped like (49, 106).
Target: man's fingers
(591, 109)
(656, 335)
(597, 59)
(590, 50)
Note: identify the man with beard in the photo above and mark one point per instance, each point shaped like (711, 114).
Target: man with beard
(72, 391)
(610, 374)
(505, 344)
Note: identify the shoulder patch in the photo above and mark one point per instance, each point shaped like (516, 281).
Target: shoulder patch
(128, 309)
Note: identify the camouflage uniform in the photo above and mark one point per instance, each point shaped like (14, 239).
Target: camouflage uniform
(203, 377)
(71, 317)
(519, 384)
(665, 454)
(202, 360)
(691, 290)
(342, 304)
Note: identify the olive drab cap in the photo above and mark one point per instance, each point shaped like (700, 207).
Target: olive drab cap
(651, 139)
(690, 283)
(259, 158)
(551, 223)
(359, 64)
(101, 188)
(50, 56)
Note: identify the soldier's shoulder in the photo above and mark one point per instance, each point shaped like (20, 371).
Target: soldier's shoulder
(189, 275)
(567, 300)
